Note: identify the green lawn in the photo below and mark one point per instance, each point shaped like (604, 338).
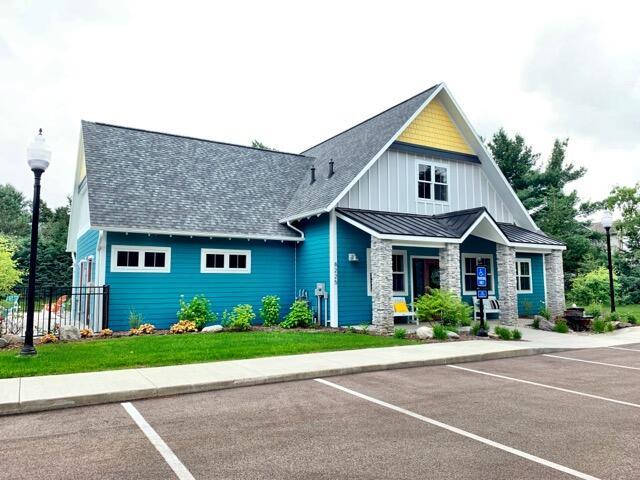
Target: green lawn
(157, 350)
(625, 309)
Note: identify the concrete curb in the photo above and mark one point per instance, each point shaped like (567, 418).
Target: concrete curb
(152, 391)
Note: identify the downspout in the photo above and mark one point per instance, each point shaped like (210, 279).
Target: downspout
(295, 259)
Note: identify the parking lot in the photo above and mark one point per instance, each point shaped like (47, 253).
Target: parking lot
(573, 414)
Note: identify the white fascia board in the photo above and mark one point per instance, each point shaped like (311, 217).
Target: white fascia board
(535, 248)
(72, 232)
(358, 225)
(302, 216)
(485, 216)
(333, 204)
(180, 233)
(486, 159)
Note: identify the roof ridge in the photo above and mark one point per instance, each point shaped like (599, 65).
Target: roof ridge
(195, 138)
(372, 117)
(457, 213)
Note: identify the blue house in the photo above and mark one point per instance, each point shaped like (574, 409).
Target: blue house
(406, 200)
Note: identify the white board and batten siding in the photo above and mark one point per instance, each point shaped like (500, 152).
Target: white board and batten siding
(391, 185)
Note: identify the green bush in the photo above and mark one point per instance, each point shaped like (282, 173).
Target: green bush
(400, 333)
(613, 317)
(475, 328)
(239, 319)
(594, 310)
(135, 318)
(610, 327)
(561, 326)
(364, 328)
(439, 332)
(598, 325)
(545, 312)
(300, 315)
(536, 323)
(516, 334)
(198, 311)
(442, 306)
(503, 333)
(592, 287)
(270, 310)
(631, 318)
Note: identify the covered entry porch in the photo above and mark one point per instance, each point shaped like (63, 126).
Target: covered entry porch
(406, 254)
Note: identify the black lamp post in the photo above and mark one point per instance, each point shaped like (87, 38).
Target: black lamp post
(607, 222)
(38, 157)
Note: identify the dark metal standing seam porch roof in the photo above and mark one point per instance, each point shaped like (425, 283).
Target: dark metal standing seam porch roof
(446, 225)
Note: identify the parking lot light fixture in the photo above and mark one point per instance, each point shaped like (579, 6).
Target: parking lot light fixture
(607, 223)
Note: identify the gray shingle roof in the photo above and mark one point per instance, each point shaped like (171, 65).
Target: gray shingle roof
(446, 225)
(159, 182)
(351, 151)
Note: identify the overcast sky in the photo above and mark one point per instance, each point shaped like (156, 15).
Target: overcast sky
(294, 73)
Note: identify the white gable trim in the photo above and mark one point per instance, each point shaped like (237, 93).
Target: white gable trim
(73, 231)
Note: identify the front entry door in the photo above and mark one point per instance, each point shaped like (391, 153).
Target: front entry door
(426, 275)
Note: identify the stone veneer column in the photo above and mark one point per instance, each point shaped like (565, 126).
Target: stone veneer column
(381, 285)
(450, 277)
(507, 284)
(555, 282)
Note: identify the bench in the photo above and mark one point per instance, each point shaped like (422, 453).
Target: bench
(401, 310)
(491, 305)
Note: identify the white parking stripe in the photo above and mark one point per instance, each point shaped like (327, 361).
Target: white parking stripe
(174, 462)
(459, 431)
(591, 361)
(551, 387)
(626, 349)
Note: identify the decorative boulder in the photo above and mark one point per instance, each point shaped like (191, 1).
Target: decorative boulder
(3, 343)
(424, 333)
(212, 329)
(69, 332)
(452, 334)
(11, 339)
(544, 324)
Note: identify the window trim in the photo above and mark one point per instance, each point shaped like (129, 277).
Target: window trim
(403, 293)
(226, 252)
(141, 251)
(432, 183)
(463, 272)
(519, 276)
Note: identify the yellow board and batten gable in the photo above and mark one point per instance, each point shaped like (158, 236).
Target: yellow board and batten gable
(434, 128)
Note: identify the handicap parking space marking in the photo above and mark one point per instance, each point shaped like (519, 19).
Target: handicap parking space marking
(550, 387)
(625, 349)
(464, 433)
(593, 362)
(172, 460)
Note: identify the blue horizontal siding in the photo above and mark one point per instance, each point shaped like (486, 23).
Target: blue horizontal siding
(156, 295)
(312, 257)
(354, 305)
(536, 299)
(86, 246)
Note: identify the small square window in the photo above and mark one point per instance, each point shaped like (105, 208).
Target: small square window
(440, 192)
(237, 261)
(215, 260)
(154, 259)
(127, 259)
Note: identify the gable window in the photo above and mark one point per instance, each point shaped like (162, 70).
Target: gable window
(398, 272)
(469, 264)
(523, 275)
(433, 182)
(126, 258)
(225, 261)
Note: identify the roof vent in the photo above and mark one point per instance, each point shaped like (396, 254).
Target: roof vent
(331, 171)
(313, 174)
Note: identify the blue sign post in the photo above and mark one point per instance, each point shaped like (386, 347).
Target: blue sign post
(482, 293)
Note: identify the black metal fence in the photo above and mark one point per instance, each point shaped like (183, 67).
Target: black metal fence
(84, 307)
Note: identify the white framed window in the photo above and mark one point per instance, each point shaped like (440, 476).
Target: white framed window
(469, 264)
(213, 260)
(127, 258)
(399, 272)
(433, 182)
(523, 275)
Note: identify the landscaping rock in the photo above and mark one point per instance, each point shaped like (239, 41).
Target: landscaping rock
(624, 325)
(464, 330)
(11, 339)
(544, 324)
(212, 329)
(424, 333)
(69, 332)
(492, 335)
(452, 334)
(3, 343)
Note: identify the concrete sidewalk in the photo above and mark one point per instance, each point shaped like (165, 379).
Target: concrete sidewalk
(31, 394)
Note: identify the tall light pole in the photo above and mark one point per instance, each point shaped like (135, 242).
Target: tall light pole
(38, 158)
(607, 222)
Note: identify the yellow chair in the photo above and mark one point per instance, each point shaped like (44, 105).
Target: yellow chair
(401, 309)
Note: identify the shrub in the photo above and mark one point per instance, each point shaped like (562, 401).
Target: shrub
(545, 312)
(198, 310)
(594, 310)
(442, 306)
(536, 323)
(239, 319)
(560, 326)
(270, 310)
(48, 338)
(516, 334)
(613, 317)
(610, 327)
(475, 328)
(135, 318)
(598, 325)
(364, 328)
(86, 333)
(631, 318)
(146, 329)
(106, 332)
(503, 333)
(299, 315)
(183, 326)
(592, 287)
(400, 333)
(439, 332)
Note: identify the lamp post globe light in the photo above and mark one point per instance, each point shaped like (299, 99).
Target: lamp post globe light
(38, 158)
(607, 222)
